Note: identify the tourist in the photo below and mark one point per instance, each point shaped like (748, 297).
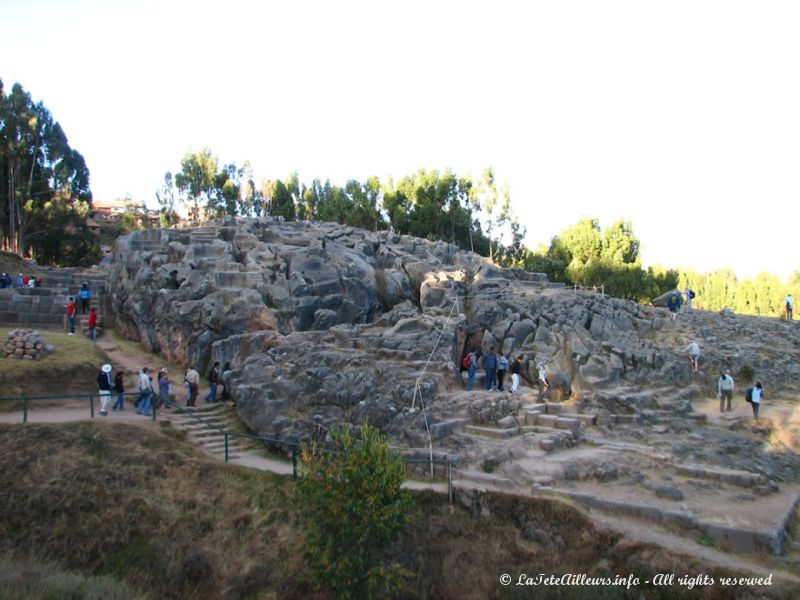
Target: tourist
(145, 393)
(92, 324)
(163, 388)
(85, 297)
(674, 303)
(119, 389)
(186, 387)
(502, 367)
(789, 303)
(193, 379)
(694, 354)
(104, 383)
(490, 366)
(226, 394)
(725, 390)
(18, 281)
(516, 369)
(471, 370)
(71, 315)
(213, 379)
(689, 293)
(757, 395)
(544, 385)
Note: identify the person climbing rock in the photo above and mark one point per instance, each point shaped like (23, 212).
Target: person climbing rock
(693, 348)
(674, 303)
(544, 385)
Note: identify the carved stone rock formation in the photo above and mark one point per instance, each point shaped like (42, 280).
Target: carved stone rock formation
(325, 324)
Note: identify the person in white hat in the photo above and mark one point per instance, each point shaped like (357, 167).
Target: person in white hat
(104, 383)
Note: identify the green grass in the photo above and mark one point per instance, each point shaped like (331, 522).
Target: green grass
(71, 368)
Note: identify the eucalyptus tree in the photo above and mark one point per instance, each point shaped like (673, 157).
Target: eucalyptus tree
(197, 181)
(44, 183)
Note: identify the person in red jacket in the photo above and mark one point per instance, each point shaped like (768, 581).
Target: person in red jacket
(92, 325)
(71, 315)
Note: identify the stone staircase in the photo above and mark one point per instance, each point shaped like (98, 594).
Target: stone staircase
(203, 235)
(204, 433)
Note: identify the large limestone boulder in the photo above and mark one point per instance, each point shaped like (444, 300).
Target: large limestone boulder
(325, 324)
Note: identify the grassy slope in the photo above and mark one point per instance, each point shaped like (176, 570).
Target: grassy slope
(72, 368)
(140, 505)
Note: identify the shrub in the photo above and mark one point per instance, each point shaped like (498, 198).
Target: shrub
(351, 506)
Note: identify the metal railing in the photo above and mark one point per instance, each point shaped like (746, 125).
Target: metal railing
(155, 401)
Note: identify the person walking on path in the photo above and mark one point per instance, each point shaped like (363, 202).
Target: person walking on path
(725, 390)
(145, 393)
(757, 395)
(85, 296)
(516, 369)
(119, 389)
(213, 380)
(71, 315)
(674, 303)
(490, 366)
(193, 378)
(471, 370)
(92, 324)
(163, 388)
(544, 385)
(789, 306)
(104, 383)
(693, 348)
(502, 367)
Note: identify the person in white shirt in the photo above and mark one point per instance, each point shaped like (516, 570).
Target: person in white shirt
(789, 306)
(757, 394)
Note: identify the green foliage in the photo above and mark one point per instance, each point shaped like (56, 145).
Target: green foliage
(761, 295)
(44, 185)
(586, 255)
(351, 505)
(197, 179)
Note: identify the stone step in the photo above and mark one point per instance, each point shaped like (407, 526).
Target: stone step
(491, 431)
(555, 421)
(733, 476)
(446, 428)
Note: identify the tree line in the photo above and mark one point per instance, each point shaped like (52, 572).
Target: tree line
(472, 213)
(45, 200)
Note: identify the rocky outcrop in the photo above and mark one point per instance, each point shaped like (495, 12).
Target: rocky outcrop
(326, 324)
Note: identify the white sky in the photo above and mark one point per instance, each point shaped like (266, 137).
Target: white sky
(682, 116)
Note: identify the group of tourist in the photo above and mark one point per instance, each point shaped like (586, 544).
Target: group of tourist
(725, 387)
(85, 297)
(675, 301)
(20, 281)
(153, 396)
(725, 383)
(496, 365)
